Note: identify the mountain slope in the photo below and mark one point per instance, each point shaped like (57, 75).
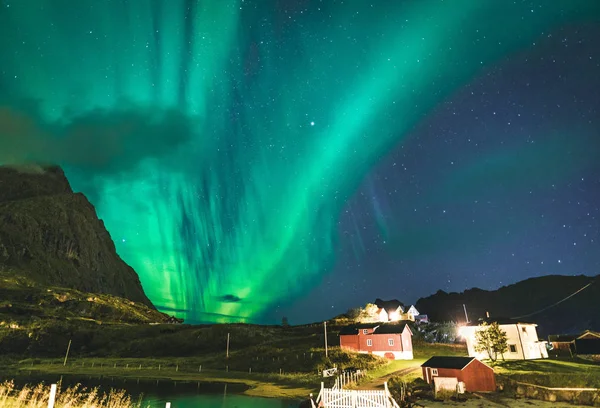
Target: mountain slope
(53, 237)
(531, 300)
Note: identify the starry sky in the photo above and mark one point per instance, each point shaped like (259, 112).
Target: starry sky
(268, 158)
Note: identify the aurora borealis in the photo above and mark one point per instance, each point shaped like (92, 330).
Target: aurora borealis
(258, 158)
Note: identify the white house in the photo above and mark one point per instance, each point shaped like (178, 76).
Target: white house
(412, 311)
(390, 314)
(523, 342)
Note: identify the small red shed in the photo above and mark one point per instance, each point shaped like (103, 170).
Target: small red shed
(476, 375)
(390, 340)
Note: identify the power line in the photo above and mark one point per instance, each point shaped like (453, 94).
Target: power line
(557, 303)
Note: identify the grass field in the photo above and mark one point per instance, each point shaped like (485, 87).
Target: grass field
(552, 373)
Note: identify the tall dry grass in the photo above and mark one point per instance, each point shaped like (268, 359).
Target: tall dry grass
(36, 396)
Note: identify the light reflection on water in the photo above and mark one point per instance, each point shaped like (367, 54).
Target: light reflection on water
(156, 393)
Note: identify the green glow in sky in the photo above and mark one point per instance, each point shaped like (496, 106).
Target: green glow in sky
(229, 205)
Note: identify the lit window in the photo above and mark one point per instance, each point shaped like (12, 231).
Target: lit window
(365, 331)
(434, 371)
(369, 342)
(390, 342)
(512, 348)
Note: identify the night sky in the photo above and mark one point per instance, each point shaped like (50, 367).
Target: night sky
(259, 159)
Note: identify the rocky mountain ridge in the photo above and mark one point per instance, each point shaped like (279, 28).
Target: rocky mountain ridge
(53, 236)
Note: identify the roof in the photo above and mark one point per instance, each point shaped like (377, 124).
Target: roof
(391, 328)
(500, 321)
(354, 328)
(448, 362)
(559, 338)
(386, 328)
(389, 305)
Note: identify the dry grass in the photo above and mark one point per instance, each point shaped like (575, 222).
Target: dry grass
(36, 396)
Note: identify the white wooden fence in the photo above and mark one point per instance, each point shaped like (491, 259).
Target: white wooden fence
(340, 398)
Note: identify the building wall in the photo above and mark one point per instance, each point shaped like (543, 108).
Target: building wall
(523, 337)
(401, 350)
(476, 376)
(349, 341)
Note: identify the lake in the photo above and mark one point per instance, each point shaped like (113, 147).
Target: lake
(156, 393)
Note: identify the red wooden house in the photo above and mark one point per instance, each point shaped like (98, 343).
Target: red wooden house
(476, 375)
(390, 340)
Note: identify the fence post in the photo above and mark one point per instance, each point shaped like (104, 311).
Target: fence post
(177, 368)
(52, 396)
(200, 368)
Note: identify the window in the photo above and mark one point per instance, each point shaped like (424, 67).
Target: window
(524, 329)
(369, 342)
(434, 371)
(365, 331)
(512, 348)
(390, 342)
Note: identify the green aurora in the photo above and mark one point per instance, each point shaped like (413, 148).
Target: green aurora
(219, 139)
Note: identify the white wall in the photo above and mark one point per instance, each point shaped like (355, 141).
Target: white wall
(523, 338)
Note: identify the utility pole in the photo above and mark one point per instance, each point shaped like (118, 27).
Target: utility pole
(325, 330)
(466, 316)
(67, 355)
(227, 353)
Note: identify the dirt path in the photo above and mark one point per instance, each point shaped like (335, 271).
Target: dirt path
(378, 382)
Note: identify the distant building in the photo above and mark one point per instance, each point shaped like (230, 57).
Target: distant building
(412, 311)
(422, 318)
(523, 342)
(475, 375)
(391, 340)
(390, 310)
(586, 343)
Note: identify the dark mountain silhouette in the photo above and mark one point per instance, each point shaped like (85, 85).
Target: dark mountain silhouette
(534, 299)
(52, 236)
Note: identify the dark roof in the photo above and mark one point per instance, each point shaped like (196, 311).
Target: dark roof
(562, 337)
(448, 362)
(572, 337)
(354, 328)
(390, 328)
(499, 320)
(389, 305)
(380, 328)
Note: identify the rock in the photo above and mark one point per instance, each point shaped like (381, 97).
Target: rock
(53, 236)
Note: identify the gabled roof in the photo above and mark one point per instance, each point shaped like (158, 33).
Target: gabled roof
(391, 328)
(413, 309)
(448, 362)
(560, 338)
(378, 328)
(389, 305)
(354, 328)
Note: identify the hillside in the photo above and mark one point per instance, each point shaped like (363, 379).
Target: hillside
(52, 236)
(523, 299)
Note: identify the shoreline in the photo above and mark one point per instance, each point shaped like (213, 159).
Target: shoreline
(257, 386)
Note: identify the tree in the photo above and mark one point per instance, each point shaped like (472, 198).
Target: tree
(285, 322)
(353, 313)
(369, 314)
(490, 338)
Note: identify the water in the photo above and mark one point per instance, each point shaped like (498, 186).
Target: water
(181, 394)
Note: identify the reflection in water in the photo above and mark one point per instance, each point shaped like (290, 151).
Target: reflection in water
(156, 393)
